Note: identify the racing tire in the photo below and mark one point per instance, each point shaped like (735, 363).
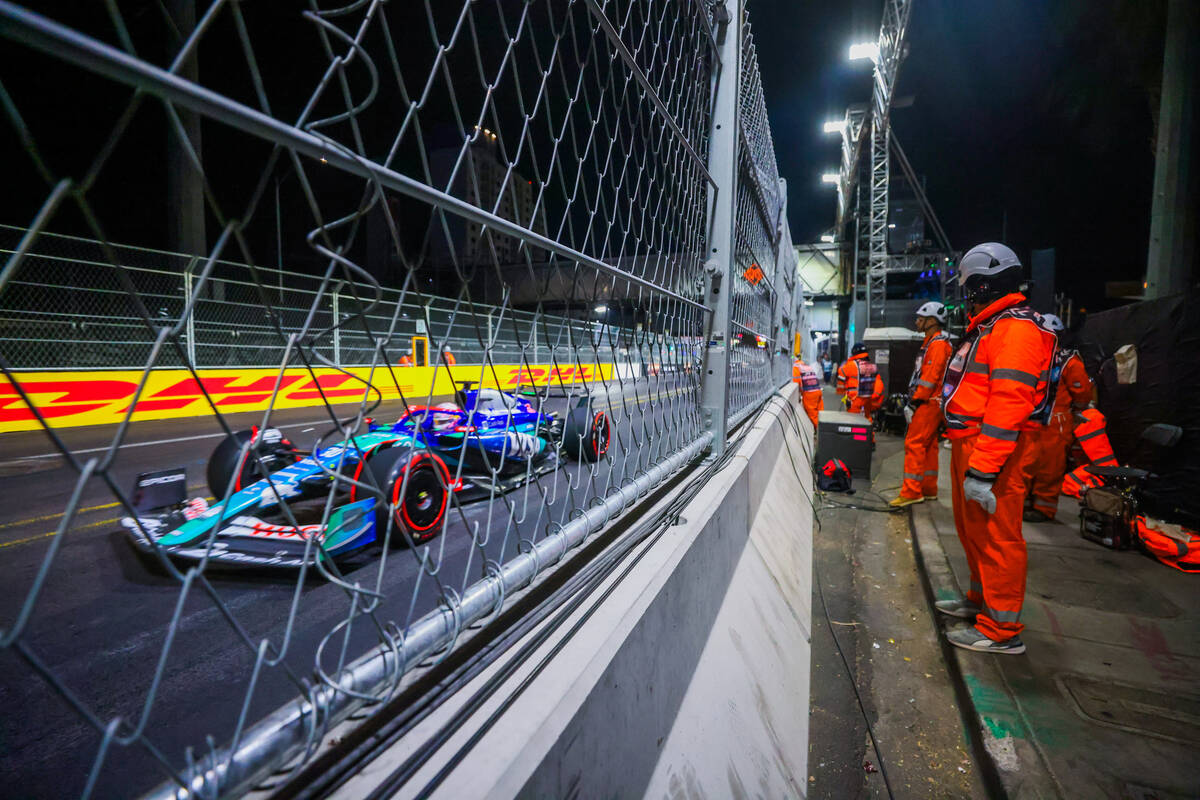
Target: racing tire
(226, 459)
(425, 481)
(587, 434)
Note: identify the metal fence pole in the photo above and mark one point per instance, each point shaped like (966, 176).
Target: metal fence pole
(337, 325)
(190, 324)
(783, 283)
(722, 210)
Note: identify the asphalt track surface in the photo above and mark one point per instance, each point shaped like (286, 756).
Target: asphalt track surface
(103, 615)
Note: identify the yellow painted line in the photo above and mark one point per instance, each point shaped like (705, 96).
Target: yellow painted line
(32, 520)
(40, 536)
(87, 510)
(47, 535)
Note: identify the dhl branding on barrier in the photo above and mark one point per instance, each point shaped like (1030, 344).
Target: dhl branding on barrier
(68, 399)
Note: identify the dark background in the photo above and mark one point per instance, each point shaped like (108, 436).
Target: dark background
(1045, 111)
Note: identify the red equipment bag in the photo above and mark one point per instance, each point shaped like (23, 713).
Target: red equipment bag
(835, 477)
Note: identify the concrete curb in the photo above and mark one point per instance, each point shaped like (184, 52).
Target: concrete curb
(1009, 763)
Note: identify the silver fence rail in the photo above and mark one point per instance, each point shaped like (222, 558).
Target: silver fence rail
(589, 184)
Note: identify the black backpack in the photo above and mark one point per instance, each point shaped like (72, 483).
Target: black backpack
(835, 477)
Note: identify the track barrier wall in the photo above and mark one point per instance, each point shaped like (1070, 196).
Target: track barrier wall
(691, 677)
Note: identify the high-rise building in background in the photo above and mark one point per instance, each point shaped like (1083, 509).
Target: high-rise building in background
(485, 181)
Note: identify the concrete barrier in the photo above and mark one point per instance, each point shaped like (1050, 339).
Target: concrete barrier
(689, 679)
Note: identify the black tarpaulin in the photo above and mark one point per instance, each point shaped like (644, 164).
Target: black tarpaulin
(1166, 336)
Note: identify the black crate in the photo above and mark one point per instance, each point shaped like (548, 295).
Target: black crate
(845, 436)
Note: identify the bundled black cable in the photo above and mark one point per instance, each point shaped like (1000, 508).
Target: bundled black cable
(821, 593)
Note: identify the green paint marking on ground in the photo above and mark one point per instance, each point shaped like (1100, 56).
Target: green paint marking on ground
(998, 728)
(995, 708)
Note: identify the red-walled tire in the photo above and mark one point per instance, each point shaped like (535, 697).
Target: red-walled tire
(424, 481)
(587, 434)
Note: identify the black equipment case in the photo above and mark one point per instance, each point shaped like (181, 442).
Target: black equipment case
(847, 437)
(1106, 517)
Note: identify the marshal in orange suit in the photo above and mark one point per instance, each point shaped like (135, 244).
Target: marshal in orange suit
(994, 398)
(810, 389)
(925, 402)
(1072, 395)
(859, 384)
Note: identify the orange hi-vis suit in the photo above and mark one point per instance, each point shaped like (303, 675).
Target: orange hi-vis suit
(995, 382)
(1074, 392)
(850, 377)
(810, 389)
(921, 439)
(1092, 433)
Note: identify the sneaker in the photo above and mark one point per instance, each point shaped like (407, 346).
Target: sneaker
(901, 501)
(957, 608)
(930, 498)
(972, 639)
(1033, 515)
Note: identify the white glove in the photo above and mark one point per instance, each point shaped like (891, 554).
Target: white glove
(981, 492)
(908, 414)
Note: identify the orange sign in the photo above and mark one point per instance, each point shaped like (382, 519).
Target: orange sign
(753, 274)
(68, 399)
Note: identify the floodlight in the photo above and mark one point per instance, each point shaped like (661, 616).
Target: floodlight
(865, 50)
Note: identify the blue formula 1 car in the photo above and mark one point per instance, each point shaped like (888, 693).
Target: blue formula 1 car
(488, 443)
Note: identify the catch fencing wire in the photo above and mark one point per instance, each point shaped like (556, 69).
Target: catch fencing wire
(67, 310)
(764, 261)
(533, 174)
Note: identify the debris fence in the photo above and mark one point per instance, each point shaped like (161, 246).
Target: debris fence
(565, 211)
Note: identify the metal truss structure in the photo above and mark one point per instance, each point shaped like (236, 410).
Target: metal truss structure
(891, 50)
(892, 31)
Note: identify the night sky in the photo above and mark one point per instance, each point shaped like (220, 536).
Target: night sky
(1043, 110)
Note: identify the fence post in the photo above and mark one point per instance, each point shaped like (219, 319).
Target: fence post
(190, 322)
(337, 326)
(722, 211)
(783, 295)
(533, 325)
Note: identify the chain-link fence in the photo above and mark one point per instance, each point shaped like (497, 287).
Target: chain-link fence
(67, 310)
(578, 199)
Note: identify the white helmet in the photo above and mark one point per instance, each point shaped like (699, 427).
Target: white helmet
(988, 271)
(1053, 322)
(935, 310)
(989, 258)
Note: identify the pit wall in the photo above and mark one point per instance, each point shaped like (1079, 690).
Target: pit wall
(70, 399)
(691, 679)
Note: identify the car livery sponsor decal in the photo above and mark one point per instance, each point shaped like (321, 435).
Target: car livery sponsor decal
(524, 446)
(68, 399)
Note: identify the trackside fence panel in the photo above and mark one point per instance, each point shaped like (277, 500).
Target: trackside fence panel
(474, 238)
